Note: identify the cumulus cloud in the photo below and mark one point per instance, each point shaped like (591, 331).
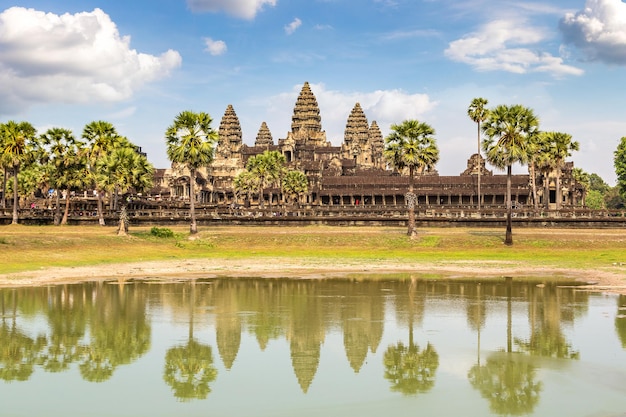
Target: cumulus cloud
(71, 58)
(293, 26)
(384, 106)
(599, 30)
(508, 45)
(244, 9)
(215, 47)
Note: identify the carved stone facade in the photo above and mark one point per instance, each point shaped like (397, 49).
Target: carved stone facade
(355, 172)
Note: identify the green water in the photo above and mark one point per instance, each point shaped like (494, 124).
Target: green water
(266, 347)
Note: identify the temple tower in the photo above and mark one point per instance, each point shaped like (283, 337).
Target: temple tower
(356, 144)
(378, 145)
(229, 141)
(306, 123)
(264, 136)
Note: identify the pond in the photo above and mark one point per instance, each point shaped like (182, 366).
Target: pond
(366, 346)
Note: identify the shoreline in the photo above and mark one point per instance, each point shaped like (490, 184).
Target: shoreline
(610, 279)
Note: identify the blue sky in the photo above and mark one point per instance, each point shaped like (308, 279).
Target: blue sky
(139, 63)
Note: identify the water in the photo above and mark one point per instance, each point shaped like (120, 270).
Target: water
(344, 347)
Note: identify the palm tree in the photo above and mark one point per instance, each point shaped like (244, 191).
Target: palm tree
(478, 113)
(62, 146)
(16, 148)
(244, 184)
(294, 184)
(411, 146)
(559, 147)
(508, 129)
(191, 143)
(124, 169)
(101, 138)
(268, 168)
(583, 179)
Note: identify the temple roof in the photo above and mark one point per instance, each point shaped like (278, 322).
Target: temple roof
(306, 113)
(264, 137)
(357, 129)
(229, 131)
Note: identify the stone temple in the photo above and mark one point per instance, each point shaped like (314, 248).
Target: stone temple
(354, 173)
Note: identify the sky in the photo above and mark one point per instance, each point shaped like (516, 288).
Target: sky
(138, 63)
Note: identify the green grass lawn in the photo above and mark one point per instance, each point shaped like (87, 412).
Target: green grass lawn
(25, 248)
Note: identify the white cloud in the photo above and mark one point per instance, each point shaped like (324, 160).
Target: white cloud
(293, 26)
(244, 9)
(71, 58)
(215, 47)
(508, 45)
(599, 30)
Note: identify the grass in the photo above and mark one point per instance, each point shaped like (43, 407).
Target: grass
(25, 248)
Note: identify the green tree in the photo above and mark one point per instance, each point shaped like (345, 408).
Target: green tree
(558, 146)
(411, 146)
(124, 169)
(508, 129)
(478, 113)
(68, 165)
(295, 184)
(244, 184)
(17, 147)
(191, 143)
(597, 183)
(582, 178)
(101, 137)
(619, 161)
(267, 168)
(595, 200)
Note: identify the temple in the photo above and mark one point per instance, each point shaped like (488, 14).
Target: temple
(354, 173)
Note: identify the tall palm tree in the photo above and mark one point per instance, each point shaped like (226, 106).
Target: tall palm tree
(508, 129)
(559, 146)
(101, 137)
(62, 147)
(478, 113)
(191, 142)
(125, 169)
(267, 167)
(411, 146)
(16, 148)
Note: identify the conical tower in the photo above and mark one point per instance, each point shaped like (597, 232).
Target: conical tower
(356, 144)
(357, 129)
(264, 136)
(306, 113)
(229, 141)
(378, 144)
(306, 123)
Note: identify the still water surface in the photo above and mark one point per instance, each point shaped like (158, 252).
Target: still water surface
(341, 347)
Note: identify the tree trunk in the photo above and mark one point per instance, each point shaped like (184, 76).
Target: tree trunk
(508, 240)
(546, 190)
(559, 196)
(122, 229)
(480, 165)
(57, 209)
(16, 198)
(192, 202)
(4, 189)
(533, 183)
(66, 213)
(412, 202)
(100, 207)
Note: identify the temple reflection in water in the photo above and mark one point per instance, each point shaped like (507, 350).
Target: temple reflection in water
(400, 328)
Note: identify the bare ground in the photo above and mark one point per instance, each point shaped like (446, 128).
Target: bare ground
(609, 279)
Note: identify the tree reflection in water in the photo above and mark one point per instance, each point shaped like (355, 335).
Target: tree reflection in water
(189, 368)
